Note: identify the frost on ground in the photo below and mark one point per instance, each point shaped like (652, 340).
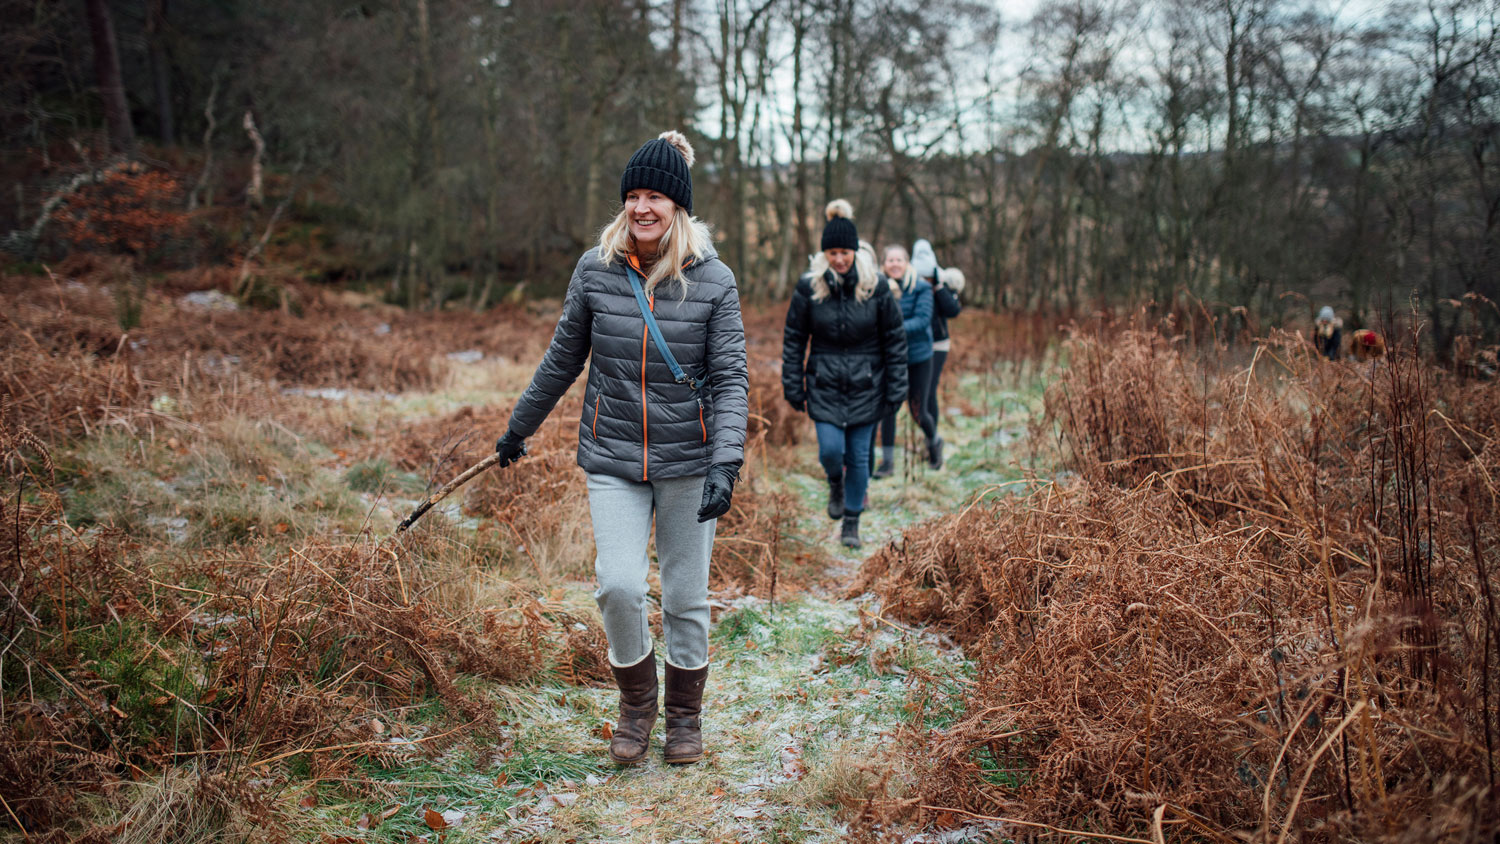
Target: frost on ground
(804, 696)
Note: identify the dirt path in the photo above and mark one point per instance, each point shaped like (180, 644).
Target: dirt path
(802, 702)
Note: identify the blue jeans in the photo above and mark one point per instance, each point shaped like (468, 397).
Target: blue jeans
(845, 452)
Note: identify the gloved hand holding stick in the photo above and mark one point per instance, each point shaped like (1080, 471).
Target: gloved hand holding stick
(506, 453)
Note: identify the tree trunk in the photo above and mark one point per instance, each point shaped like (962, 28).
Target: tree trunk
(111, 84)
(799, 136)
(161, 70)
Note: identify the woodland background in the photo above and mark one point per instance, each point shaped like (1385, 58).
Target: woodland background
(1245, 159)
(272, 271)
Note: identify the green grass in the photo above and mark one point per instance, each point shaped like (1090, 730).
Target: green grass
(378, 476)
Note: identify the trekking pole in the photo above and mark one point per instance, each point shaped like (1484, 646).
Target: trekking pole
(448, 489)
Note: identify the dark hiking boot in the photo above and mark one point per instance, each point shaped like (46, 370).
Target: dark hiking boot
(935, 453)
(886, 468)
(683, 702)
(835, 498)
(637, 710)
(850, 533)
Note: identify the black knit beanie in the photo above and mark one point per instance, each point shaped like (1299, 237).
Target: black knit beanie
(661, 164)
(840, 232)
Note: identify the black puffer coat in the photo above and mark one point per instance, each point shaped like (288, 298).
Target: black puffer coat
(856, 372)
(945, 306)
(638, 423)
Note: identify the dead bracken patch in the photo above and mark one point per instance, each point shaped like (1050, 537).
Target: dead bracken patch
(1263, 609)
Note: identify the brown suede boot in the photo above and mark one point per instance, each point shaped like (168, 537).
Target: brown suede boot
(683, 701)
(637, 710)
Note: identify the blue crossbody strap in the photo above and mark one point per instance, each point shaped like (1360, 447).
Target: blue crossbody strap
(661, 342)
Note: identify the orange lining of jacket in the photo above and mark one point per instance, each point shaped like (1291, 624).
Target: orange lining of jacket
(645, 425)
(645, 422)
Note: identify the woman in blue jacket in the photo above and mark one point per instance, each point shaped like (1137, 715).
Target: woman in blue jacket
(947, 285)
(916, 314)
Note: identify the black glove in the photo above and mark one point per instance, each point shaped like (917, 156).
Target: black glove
(798, 405)
(718, 488)
(510, 448)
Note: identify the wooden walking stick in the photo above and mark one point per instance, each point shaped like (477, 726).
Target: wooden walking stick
(448, 489)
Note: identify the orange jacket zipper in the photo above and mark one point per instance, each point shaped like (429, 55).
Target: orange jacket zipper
(645, 421)
(595, 429)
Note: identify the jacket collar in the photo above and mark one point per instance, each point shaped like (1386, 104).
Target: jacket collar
(708, 255)
(842, 282)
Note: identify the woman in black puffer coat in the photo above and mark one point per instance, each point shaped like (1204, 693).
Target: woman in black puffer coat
(856, 371)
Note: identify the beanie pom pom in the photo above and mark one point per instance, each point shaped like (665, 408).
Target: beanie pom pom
(680, 142)
(840, 208)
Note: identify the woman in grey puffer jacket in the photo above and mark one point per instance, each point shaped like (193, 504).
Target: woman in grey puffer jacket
(652, 445)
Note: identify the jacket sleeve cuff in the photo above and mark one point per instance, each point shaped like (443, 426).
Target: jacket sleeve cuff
(728, 454)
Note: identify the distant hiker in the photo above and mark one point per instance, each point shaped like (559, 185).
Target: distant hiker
(856, 370)
(947, 284)
(653, 442)
(1365, 345)
(916, 314)
(1328, 333)
(945, 306)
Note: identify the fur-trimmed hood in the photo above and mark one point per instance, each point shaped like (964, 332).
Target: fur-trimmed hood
(952, 278)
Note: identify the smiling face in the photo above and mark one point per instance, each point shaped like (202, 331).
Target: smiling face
(650, 214)
(840, 260)
(894, 265)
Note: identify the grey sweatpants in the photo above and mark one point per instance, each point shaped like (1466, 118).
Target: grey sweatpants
(622, 514)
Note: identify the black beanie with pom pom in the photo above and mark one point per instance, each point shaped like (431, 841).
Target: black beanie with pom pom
(840, 232)
(661, 164)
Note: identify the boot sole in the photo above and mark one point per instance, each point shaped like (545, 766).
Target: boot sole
(685, 760)
(627, 762)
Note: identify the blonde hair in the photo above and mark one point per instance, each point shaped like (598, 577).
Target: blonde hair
(687, 239)
(864, 269)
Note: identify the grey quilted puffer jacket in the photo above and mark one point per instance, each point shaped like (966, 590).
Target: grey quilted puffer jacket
(638, 423)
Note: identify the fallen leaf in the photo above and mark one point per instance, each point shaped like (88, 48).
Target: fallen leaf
(282, 527)
(377, 726)
(501, 779)
(160, 701)
(608, 731)
(209, 696)
(453, 817)
(308, 802)
(747, 812)
(390, 812)
(119, 713)
(642, 821)
(434, 820)
(365, 821)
